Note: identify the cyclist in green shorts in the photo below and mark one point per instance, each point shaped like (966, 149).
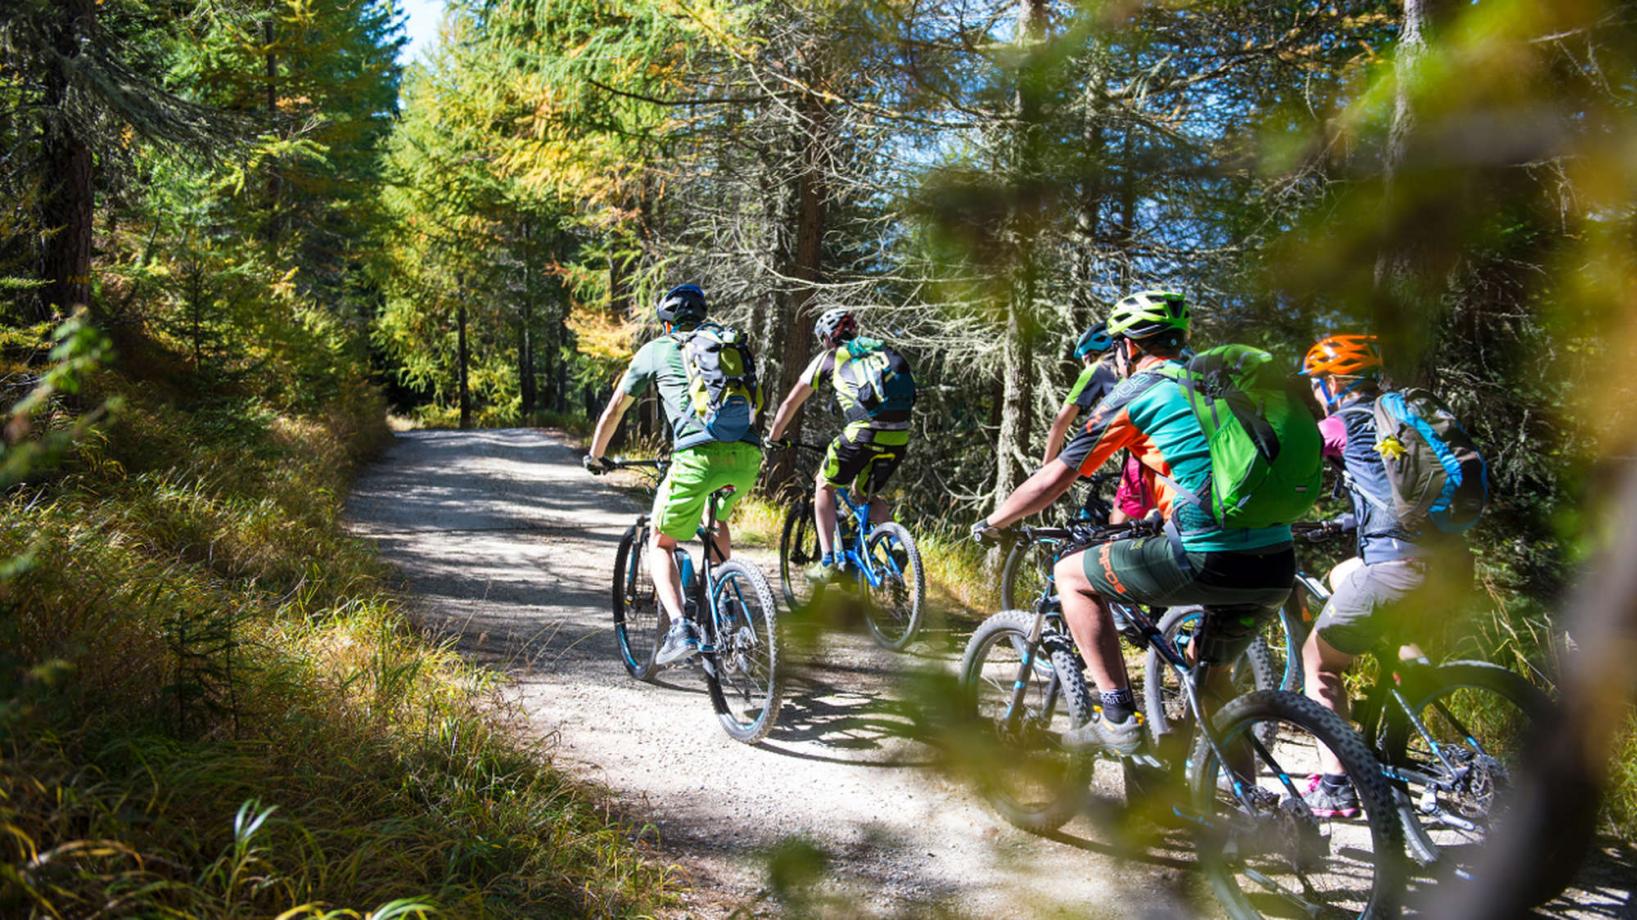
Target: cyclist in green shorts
(876, 392)
(700, 462)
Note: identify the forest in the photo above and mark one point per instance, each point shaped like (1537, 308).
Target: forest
(237, 235)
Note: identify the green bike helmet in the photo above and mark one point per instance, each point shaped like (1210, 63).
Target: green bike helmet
(1148, 313)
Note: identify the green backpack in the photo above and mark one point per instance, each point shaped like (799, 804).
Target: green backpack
(1266, 450)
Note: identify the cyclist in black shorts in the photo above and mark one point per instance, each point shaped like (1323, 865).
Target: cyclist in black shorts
(876, 392)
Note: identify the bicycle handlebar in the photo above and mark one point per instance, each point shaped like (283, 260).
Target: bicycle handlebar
(1319, 531)
(1091, 533)
(651, 463)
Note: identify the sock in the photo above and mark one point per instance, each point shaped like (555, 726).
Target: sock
(828, 559)
(1335, 780)
(1118, 705)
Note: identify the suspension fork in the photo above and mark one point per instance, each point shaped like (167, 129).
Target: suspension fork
(1426, 734)
(1037, 629)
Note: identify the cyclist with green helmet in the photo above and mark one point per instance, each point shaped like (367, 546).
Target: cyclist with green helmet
(700, 462)
(1239, 575)
(875, 391)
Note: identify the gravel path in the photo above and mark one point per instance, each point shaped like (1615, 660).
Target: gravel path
(508, 544)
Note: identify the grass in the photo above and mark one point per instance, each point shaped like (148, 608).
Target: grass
(211, 704)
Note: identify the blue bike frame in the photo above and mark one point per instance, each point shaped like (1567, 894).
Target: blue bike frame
(855, 552)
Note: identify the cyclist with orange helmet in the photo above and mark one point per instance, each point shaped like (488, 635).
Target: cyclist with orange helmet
(1345, 372)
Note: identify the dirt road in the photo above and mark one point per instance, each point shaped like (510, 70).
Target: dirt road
(507, 543)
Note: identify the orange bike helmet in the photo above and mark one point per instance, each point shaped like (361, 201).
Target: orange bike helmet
(1343, 356)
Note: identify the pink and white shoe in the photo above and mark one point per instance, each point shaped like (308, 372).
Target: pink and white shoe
(1327, 801)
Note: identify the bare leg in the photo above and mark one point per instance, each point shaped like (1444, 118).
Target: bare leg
(824, 512)
(667, 579)
(1323, 667)
(722, 538)
(1092, 626)
(879, 511)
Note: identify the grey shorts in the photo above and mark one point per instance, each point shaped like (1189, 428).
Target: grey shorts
(1359, 617)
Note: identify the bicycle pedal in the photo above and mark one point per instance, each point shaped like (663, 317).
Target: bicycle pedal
(1146, 760)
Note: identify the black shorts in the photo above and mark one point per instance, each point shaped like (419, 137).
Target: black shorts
(863, 467)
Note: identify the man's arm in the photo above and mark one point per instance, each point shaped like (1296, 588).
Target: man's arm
(787, 410)
(609, 421)
(1060, 428)
(1036, 494)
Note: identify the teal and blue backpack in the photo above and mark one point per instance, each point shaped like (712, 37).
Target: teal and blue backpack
(1436, 472)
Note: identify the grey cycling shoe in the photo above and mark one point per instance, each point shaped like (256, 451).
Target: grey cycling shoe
(680, 642)
(1100, 734)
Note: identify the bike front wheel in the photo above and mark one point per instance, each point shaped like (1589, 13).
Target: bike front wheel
(898, 599)
(743, 664)
(1265, 852)
(798, 548)
(1020, 766)
(638, 623)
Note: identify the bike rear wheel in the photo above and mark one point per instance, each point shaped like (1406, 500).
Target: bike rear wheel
(1023, 576)
(1272, 857)
(1020, 766)
(1480, 716)
(742, 669)
(638, 623)
(898, 601)
(798, 548)
(1163, 701)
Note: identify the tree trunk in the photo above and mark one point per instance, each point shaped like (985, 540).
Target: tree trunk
(271, 76)
(1128, 210)
(807, 264)
(1018, 337)
(465, 360)
(525, 341)
(67, 208)
(1088, 216)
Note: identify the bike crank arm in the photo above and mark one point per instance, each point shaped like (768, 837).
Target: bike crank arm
(1295, 900)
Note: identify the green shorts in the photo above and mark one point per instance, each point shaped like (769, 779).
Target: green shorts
(1239, 590)
(695, 473)
(864, 460)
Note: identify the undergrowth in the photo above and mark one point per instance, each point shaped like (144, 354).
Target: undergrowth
(211, 705)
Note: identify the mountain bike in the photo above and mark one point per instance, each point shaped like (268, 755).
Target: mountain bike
(730, 603)
(1262, 849)
(1450, 736)
(879, 559)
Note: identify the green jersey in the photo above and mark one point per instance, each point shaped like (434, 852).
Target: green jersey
(660, 363)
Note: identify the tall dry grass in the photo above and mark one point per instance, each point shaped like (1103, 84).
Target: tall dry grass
(212, 706)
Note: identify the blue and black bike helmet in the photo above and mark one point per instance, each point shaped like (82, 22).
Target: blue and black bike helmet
(683, 305)
(1094, 341)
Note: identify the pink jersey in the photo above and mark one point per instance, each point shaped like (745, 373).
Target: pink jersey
(1135, 493)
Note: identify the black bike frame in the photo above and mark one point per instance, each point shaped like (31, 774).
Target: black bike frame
(1191, 675)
